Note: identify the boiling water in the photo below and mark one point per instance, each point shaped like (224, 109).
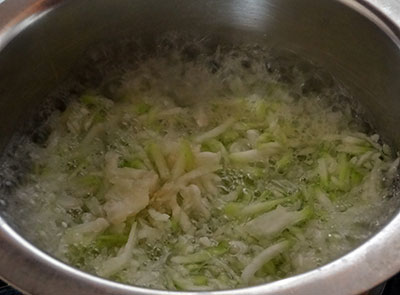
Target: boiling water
(271, 138)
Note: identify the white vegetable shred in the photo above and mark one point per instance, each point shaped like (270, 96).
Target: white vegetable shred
(206, 173)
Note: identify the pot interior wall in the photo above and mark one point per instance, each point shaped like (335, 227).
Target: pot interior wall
(347, 44)
(342, 41)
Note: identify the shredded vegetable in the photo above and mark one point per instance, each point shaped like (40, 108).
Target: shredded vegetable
(199, 178)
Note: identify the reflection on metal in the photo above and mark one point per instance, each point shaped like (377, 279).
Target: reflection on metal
(7, 35)
(249, 13)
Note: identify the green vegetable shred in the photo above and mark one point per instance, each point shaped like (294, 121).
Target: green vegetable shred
(204, 173)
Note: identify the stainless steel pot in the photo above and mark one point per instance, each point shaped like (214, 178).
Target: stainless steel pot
(356, 40)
